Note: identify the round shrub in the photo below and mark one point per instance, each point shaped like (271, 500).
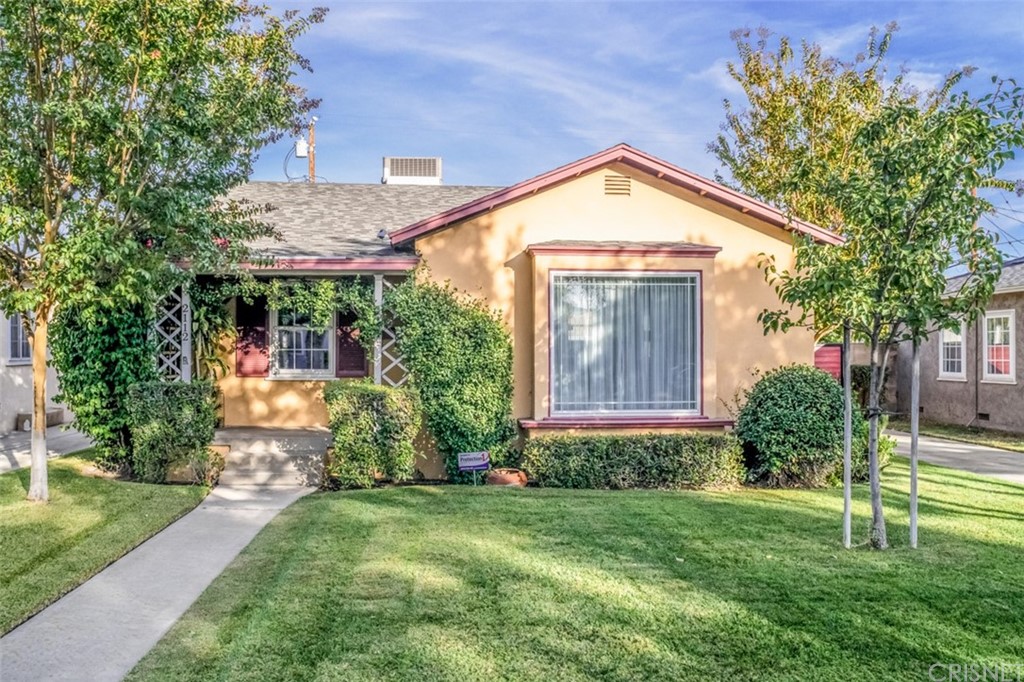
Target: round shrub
(792, 427)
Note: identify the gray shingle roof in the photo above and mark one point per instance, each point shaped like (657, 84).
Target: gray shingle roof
(1011, 278)
(337, 220)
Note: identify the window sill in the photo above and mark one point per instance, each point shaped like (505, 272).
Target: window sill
(18, 362)
(959, 379)
(624, 422)
(1000, 382)
(300, 377)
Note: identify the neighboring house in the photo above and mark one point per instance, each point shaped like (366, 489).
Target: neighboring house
(16, 378)
(972, 375)
(631, 288)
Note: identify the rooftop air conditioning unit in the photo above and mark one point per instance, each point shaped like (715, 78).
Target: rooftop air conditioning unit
(412, 170)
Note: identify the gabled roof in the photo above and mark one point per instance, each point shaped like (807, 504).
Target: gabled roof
(624, 154)
(1011, 279)
(332, 220)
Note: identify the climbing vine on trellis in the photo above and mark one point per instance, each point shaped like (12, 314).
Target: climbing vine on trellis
(318, 297)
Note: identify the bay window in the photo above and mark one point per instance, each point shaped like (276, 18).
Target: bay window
(625, 343)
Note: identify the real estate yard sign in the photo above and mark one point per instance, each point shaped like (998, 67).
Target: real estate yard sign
(475, 462)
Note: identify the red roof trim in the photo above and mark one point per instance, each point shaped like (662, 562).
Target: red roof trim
(621, 153)
(687, 251)
(624, 422)
(385, 264)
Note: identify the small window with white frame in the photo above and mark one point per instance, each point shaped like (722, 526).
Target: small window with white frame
(300, 349)
(20, 350)
(999, 336)
(951, 354)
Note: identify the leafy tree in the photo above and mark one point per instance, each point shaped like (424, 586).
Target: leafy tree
(904, 197)
(799, 109)
(122, 126)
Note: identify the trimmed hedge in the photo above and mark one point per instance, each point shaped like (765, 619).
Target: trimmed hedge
(686, 460)
(373, 427)
(170, 423)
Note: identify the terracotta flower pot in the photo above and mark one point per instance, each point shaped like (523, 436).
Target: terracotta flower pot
(508, 477)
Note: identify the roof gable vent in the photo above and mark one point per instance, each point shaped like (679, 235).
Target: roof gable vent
(412, 170)
(617, 185)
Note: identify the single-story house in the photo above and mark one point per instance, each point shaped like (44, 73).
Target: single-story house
(16, 379)
(972, 375)
(630, 286)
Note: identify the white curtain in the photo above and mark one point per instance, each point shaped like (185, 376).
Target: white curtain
(625, 343)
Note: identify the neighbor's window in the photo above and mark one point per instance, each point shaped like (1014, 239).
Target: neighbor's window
(625, 343)
(999, 346)
(299, 348)
(20, 350)
(951, 354)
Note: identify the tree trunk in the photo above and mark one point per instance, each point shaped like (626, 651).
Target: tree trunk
(915, 417)
(847, 438)
(879, 538)
(39, 489)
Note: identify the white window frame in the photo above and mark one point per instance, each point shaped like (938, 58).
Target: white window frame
(953, 376)
(986, 377)
(276, 373)
(11, 358)
(698, 350)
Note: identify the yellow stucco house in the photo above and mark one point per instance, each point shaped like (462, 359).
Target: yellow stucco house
(630, 286)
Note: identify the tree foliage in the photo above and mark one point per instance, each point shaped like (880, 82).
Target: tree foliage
(101, 353)
(459, 356)
(904, 197)
(122, 126)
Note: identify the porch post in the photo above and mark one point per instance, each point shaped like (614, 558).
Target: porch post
(378, 299)
(186, 335)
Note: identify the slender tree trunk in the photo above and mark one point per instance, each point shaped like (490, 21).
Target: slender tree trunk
(39, 489)
(879, 538)
(847, 438)
(915, 402)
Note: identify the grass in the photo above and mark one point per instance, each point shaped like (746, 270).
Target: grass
(462, 583)
(1006, 440)
(49, 549)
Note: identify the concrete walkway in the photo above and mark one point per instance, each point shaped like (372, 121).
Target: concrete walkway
(978, 459)
(16, 451)
(104, 627)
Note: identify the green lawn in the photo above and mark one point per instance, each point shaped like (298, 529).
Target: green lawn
(968, 434)
(48, 549)
(462, 583)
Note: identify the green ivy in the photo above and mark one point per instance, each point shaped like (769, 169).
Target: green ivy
(99, 354)
(374, 428)
(459, 357)
(321, 298)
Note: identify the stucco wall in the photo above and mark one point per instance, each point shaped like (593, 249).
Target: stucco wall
(487, 256)
(16, 383)
(960, 401)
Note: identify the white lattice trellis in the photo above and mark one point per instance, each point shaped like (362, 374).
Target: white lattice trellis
(387, 366)
(173, 330)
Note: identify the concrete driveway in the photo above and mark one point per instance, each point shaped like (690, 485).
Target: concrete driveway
(978, 459)
(16, 450)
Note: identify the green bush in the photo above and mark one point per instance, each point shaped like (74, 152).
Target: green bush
(459, 356)
(99, 353)
(171, 423)
(791, 426)
(374, 428)
(698, 460)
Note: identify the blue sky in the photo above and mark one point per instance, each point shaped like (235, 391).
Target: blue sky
(506, 90)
